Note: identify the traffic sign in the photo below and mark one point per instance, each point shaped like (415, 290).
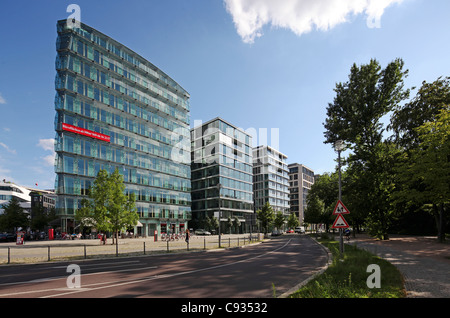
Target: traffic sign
(340, 208)
(340, 223)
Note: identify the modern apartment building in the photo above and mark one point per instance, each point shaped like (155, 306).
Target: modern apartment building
(221, 174)
(116, 110)
(301, 178)
(270, 179)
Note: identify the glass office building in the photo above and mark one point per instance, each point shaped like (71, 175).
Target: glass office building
(301, 179)
(270, 179)
(221, 174)
(114, 109)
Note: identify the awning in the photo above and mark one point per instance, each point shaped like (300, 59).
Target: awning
(139, 224)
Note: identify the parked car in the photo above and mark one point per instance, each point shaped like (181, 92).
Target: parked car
(201, 232)
(290, 231)
(7, 237)
(276, 233)
(299, 230)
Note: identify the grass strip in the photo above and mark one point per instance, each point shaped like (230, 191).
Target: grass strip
(347, 277)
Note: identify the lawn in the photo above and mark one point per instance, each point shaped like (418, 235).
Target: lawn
(347, 277)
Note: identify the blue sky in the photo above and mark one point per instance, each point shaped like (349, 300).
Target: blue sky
(259, 64)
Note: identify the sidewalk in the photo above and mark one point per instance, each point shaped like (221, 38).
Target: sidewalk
(41, 251)
(424, 263)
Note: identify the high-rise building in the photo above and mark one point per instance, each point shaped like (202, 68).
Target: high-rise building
(301, 178)
(221, 174)
(270, 179)
(116, 110)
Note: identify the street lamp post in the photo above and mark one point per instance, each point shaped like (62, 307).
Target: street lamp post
(339, 146)
(219, 185)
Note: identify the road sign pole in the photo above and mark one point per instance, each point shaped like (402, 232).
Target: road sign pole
(341, 239)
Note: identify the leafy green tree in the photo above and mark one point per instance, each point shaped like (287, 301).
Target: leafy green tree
(325, 188)
(236, 224)
(279, 220)
(314, 210)
(266, 216)
(355, 117)
(110, 207)
(229, 224)
(431, 98)
(426, 168)
(13, 216)
(292, 221)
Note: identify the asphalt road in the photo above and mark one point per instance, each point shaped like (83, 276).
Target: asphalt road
(256, 271)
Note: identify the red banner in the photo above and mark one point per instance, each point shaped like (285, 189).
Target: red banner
(85, 132)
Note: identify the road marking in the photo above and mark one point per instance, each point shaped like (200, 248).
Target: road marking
(168, 275)
(47, 279)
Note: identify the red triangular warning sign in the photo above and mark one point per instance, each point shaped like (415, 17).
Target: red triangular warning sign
(340, 208)
(340, 223)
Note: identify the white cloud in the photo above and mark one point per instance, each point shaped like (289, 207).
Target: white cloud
(7, 148)
(2, 100)
(49, 160)
(47, 144)
(301, 16)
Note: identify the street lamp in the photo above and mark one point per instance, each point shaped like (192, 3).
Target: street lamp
(340, 146)
(219, 186)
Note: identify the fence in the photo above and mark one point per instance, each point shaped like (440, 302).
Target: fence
(32, 252)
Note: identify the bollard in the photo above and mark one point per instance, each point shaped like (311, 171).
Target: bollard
(167, 246)
(144, 248)
(204, 243)
(85, 251)
(49, 253)
(229, 241)
(9, 255)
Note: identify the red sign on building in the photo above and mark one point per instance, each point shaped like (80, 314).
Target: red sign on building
(85, 132)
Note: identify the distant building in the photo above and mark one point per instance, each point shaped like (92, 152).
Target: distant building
(9, 190)
(221, 155)
(301, 178)
(270, 179)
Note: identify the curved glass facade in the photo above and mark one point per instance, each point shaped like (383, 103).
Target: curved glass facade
(114, 110)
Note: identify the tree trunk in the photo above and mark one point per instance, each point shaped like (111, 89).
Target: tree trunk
(441, 231)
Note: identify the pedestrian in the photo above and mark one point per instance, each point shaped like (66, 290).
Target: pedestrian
(104, 238)
(187, 236)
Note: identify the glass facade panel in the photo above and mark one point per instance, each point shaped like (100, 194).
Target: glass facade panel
(218, 156)
(144, 114)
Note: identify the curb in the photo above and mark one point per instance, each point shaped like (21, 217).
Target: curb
(319, 272)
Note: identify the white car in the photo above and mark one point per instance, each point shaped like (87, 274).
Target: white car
(299, 230)
(202, 232)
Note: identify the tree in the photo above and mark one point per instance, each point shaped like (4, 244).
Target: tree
(314, 210)
(110, 207)
(431, 98)
(426, 171)
(236, 224)
(279, 220)
(293, 221)
(13, 216)
(266, 216)
(229, 224)
(355, 118)
(326, 189)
